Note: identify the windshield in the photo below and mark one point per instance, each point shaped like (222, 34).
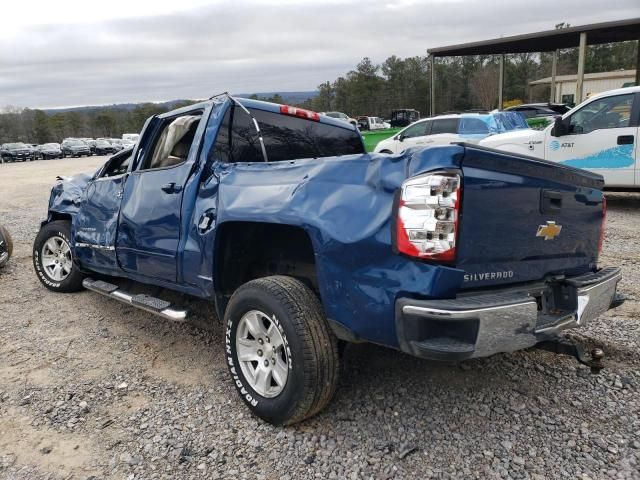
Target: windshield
(102, 143)
(13, 146)
(50, 145)
(336, 115)
(75, 143)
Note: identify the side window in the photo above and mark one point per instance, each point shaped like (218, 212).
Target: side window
(289, 138)
(417, 130)
(172, 145)
(473, 126)
(117, 165)
(609, 112)
(444, 125)
(237, 139)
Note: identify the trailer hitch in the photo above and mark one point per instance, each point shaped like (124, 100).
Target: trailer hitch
(565, 346)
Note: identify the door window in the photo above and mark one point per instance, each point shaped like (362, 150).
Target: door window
(608, 112)
(117, 165)
(173, 143)
(417, 130)
(444, 125)
(473, 126)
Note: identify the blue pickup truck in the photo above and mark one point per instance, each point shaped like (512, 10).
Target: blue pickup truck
(303, 242)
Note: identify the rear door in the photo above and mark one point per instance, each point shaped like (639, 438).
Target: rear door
(149, 226)
(525, 219)
(603, 138)
(444, 131)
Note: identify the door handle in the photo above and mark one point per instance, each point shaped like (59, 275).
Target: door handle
(625, 140)
(172, 188)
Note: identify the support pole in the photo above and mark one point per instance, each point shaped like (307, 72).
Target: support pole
(581, 56)
(638, 66)
(554, 67)
(501, 83)
(432, 95)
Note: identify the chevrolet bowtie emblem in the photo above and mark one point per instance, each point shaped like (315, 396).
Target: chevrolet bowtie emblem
(549, 231)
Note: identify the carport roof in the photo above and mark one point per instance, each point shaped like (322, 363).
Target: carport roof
(597, 33)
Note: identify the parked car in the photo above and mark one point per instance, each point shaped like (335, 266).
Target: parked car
(91, 142)
(341, 116)
(227, 200)
(73, 147)
(372, 123)
(103, 147)
(403, 117)
(131, 136)
(445, 129)
(127, 143)
(537, 110)
(50, 150)
(17, 151)
(600, 134)
(6, 246)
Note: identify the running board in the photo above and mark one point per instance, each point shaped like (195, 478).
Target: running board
(144, 302)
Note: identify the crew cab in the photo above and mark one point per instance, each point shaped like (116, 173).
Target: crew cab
(600, 134)
(302, 242)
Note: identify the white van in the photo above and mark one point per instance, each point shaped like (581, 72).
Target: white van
(600, 134)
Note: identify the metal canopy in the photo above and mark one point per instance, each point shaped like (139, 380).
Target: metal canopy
(547, 41)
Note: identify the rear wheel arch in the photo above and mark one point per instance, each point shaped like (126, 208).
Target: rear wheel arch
(245, 251)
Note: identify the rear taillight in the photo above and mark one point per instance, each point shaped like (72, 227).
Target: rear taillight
(427, 221)
(299, 112)
(602, 225)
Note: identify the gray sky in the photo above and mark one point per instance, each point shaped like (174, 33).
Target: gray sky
(72, 52)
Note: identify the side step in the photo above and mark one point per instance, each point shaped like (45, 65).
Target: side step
(144, 302)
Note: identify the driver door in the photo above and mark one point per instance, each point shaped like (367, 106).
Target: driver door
(95, 227)
(602, 137)
(414, 136)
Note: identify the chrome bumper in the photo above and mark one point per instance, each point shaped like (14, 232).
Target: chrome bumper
(488, 323)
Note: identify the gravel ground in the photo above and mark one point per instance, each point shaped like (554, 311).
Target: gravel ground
(90, 388)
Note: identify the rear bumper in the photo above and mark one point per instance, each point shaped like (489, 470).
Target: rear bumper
(483, 324)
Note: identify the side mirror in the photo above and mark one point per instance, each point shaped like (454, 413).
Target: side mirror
(400, 137)
(559, 127)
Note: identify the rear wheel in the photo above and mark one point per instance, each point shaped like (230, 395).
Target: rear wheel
(53, 259)
(281, 354)
(6, 246)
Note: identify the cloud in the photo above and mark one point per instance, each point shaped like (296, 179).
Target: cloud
(191, 49)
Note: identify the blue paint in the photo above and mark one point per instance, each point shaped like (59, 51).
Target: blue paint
(620, 156)
(344, 205)
(554, 145)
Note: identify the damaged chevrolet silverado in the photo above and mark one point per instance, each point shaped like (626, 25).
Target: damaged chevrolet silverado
(302, 242)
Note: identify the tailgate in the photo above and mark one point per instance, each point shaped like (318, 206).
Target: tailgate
(523, 219)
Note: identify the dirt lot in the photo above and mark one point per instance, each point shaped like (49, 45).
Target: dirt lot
(90, 388)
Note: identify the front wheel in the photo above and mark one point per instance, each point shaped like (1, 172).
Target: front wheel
(53, 259)
(281, 354)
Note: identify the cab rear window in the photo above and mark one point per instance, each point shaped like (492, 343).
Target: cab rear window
(285, 138)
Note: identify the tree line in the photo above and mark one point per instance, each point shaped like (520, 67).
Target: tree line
(38, 126)
(462, 83)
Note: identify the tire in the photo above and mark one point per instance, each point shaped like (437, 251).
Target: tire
(308, 353)
(388, 152)
(6, 246)
(69, 278)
